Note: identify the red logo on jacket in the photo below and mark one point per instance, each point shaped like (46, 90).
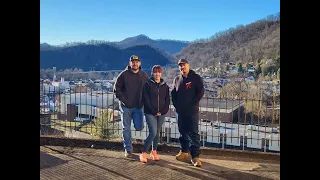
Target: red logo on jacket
(188, 85)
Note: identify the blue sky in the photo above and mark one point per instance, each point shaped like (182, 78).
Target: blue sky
(64, 21)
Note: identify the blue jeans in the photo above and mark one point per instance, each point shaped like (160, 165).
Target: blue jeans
(154, 125)
(128, 114)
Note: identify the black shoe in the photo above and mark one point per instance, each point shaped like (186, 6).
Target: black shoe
(128, 154)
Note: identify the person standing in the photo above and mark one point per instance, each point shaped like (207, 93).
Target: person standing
(128, 89)
(186, 94)
(156, 100)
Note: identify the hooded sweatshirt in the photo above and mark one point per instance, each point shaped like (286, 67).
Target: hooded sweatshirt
(187, 93)
(128, 87)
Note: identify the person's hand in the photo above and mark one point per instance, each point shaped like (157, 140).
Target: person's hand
(158, 114)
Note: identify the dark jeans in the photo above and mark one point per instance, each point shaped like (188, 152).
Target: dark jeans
(189, 134)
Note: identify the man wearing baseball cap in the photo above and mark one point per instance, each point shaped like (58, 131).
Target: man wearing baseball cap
(186, 94)
(128, 89)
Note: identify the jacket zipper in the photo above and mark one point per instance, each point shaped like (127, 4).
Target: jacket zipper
(158, 98)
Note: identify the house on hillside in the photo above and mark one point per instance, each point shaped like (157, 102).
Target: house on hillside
(250, 79)
(251, 70)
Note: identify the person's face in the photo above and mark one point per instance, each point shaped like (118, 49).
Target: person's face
(184, 68)
(135, 65)
(156, 74)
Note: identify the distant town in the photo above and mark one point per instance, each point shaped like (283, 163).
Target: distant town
(213, 81)
(234, 99)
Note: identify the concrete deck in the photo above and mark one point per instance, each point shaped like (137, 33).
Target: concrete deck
(61, 162)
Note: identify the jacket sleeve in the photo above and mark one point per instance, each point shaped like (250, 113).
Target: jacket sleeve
(174, 94)
(146, 98)
(167, 102)
(118, 87)
(199, 90)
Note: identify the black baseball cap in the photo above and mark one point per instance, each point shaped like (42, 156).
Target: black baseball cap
(134, 58)
(182, 61)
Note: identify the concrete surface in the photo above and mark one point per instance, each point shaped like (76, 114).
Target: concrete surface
(60, 162)
(104, 144)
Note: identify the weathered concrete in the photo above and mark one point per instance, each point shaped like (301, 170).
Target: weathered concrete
(58, 162)
(102, 144)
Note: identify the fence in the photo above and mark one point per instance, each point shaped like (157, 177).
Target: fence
(80, 112)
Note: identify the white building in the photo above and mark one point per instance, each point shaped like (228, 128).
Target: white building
(55, 87)
(87, 103)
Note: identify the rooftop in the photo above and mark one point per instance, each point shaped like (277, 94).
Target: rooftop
(219, 103)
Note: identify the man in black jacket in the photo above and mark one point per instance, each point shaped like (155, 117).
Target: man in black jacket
(186, 94)
(128, 89)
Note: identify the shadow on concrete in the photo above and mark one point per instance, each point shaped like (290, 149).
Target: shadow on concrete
(47, 160)
(207, 171)
(95, 165)
(213, 171)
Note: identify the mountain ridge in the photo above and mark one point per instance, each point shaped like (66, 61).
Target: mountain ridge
(103, 57)
(166, 45)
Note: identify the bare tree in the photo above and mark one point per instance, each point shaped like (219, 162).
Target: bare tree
(104, 125)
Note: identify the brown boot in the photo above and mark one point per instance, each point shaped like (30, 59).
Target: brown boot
(196, 162)
(182, 156)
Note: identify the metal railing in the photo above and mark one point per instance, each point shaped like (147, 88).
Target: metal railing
(80, 112)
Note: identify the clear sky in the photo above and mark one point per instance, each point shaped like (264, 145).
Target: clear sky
(64, 21)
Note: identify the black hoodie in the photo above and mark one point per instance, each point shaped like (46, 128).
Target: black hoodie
(128, 87)
(187, 93)
(156, 97)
